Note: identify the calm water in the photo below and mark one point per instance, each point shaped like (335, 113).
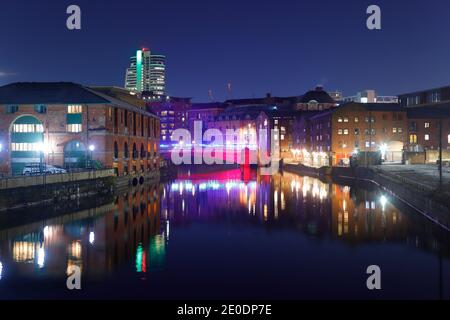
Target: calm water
(227, 235)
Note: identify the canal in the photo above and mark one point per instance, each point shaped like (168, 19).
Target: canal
(227, 234)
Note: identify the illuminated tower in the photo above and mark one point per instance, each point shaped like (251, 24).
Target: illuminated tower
(147, 73)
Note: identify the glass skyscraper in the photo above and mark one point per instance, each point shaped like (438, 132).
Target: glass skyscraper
(147, 73)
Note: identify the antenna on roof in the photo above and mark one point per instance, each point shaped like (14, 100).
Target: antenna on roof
(211, 96)
(230, 93)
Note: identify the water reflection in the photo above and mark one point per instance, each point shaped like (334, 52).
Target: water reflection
(131, 236)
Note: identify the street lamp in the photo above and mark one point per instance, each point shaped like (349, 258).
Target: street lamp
(91, 149)
(43, 148)
(383, 149)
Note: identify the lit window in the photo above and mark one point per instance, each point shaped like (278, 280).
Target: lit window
(427, 124)
(412, 138)
(74, 109)
(24, 146)
(399, 130)
(74, 128)
(394, 130)
(356, 119)
(340, 119)
(282, 137)
(345, 131)
(345, 119)
(28, 128)
(339, 131)
(427, 137)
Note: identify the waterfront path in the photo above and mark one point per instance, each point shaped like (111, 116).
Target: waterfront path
(426, 176)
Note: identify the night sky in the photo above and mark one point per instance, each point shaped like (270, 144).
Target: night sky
(284, 47)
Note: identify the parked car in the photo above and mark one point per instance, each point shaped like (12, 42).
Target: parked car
(35, 168)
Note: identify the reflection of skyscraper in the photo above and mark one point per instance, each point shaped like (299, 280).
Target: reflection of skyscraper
(147, 74)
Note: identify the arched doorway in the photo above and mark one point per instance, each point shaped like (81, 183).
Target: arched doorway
(74, 155)
(27, 143)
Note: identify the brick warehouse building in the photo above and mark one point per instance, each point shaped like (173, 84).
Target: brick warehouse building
(68, 125)
(334, 135)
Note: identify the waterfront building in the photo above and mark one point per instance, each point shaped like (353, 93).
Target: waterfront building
(337, 134)
(281, 121)
(204, 112)
(173, 114)
(427, 110)
(370, 96)
(423, 128)
(147, 73)
(74, 126)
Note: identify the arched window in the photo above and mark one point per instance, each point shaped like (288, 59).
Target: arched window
(135, 152)
(142, 151)
(116, 150)
(125, 150)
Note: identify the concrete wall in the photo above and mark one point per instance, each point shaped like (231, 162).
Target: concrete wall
(30, 181)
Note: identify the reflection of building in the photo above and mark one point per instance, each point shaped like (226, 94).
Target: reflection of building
(131, 227)
(70, 125)
(365, 216)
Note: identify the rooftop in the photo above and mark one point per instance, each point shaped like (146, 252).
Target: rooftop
(47, 93)
(68, 93)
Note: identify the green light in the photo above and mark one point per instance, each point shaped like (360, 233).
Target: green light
(139, 70)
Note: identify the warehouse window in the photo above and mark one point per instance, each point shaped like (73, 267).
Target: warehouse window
(25, 146)
(74, 109)
(28, 128)
(40, 108)
(12, 109)
(74, 128)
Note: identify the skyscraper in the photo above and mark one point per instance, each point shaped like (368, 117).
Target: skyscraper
(147, 73)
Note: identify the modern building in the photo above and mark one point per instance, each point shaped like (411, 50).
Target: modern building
(74, 126)
(429, 97)
(370, 96)
(147, 73)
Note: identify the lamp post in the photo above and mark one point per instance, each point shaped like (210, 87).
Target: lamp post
(91, 149)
